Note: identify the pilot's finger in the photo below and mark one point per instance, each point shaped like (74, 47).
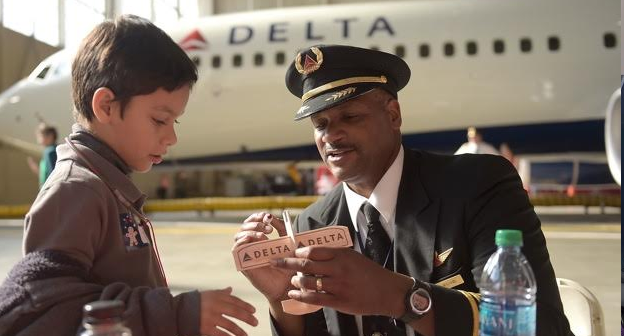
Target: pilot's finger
(303, 265)
(256, 226)
(255, 217)
(245, 237)
(318, 253)
(314, 283)
(277, 223)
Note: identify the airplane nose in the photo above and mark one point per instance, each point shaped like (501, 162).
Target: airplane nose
(10, 96)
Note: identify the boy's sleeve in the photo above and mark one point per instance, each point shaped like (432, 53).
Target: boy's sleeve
(67, 217)
(155, 312)
(46, 291)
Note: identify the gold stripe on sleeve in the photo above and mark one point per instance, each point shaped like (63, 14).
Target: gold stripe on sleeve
(475, 312)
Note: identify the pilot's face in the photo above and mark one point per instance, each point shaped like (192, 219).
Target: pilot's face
(146, 131)
(359, 139)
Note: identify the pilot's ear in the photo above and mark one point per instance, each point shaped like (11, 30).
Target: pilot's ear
(104, 104)
(394, 109)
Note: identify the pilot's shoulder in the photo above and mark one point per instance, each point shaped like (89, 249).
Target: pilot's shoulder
(326, 205)
(463, 175)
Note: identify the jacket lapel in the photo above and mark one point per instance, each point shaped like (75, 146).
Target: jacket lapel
(337, 322)
(415, 223)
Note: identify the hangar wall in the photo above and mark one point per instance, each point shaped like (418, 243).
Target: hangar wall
(19, 55)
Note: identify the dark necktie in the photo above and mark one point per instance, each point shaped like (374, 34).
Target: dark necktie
(377, 241)
(377, 248)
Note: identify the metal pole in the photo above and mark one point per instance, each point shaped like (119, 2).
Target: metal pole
(61, 23)
(152, 11)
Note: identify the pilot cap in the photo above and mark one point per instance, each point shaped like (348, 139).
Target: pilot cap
(324, 76)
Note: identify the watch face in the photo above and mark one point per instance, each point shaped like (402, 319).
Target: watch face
(419, 301)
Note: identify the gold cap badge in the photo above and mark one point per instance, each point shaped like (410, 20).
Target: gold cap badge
(309, 65)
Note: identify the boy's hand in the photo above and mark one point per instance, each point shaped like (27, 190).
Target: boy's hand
(216, 305)
(272, 282)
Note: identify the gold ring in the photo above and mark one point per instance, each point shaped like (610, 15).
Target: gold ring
(319, 284)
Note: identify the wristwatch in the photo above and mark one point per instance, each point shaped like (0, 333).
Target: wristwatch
(417, 302)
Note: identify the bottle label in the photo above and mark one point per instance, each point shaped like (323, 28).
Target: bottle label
(510, 320)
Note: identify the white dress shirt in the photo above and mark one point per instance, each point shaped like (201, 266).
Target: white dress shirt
(384, 199)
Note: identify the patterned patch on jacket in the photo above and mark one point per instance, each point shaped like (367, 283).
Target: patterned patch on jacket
(133, 235)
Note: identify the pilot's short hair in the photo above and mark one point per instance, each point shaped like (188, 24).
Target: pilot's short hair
(131, 57)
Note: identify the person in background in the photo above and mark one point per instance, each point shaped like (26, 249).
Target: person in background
(507, 153)
(475, 144)
(47, 137)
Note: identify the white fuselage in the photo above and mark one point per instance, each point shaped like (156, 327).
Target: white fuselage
(249, 106)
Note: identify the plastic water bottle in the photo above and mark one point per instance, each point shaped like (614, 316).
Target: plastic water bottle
(103, 318)
(507, 290)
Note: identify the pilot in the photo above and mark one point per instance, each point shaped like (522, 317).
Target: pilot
(422, 224)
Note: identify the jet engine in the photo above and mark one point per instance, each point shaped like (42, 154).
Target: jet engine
(613, 135)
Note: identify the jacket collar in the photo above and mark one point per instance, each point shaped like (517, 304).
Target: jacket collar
(110, 167)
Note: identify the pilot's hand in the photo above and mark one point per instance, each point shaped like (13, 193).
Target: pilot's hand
(216, 305)
(272, 282)
(351, 283)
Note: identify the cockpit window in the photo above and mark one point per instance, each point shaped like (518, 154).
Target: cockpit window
(42, 74)
(62, 68)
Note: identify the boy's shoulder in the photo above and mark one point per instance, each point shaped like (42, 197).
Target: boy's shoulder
(70, 177)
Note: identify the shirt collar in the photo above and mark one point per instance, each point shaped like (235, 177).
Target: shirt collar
(383, 197)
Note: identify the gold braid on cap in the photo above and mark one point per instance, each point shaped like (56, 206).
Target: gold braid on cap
(341, 82)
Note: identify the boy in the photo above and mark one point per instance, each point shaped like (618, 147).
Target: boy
(47, 137)
(85, 236)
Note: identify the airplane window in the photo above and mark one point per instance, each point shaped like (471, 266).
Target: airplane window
(499, 46)
(553, 43)
(196, 60)
(525, 45)
(43, 72)
(471, 48)
(423, 50)
(258, 59)
(399, 51)
(216, 61)
(449, 49)
(609, 40)
(237, 60)
(280, 58)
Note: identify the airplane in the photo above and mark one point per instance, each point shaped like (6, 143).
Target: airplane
(538, 75)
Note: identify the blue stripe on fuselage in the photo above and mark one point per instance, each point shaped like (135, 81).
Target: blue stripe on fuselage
(579, 136)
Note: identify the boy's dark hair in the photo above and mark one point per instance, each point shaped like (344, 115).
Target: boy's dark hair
(47, 130)
(131, 57)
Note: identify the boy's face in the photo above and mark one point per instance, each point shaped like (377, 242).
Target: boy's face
(146, 131)
(45, 139)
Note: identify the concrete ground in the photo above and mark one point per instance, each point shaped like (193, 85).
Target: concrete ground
(196, 255)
